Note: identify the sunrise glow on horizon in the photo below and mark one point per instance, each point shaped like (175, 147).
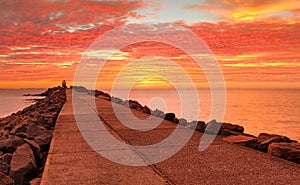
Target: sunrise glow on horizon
(256, 43)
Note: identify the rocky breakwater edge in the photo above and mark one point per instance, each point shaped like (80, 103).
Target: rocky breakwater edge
(25, 139)
(272, 144)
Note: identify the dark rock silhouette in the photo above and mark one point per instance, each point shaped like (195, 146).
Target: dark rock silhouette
(170, 117)
(158, 113)
(182, 122)
(146, 110)
(198, 125)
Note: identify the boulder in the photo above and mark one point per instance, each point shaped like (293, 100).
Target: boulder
(125, 103)
(4, 134)
(10, 144)
(232, 127)
(34, 130)
(170, 117)
(226, 132)
(34, 147)
(116, 100)
(158, 113)
(4, 167)
(46, 120)
(213, 128)
(101, 94)
(6, 158)
(264, 140)
(36, 181)
(198, 125)
(21, 127)
(240, 139)
(12, 122)
(23, 165)
(44, 140)
(146, 110)
(176, 121)
(264, 136)
(77, 88)
(6, 180)
(288, 151)
(22, 135)
(135, 105)
(182, 121)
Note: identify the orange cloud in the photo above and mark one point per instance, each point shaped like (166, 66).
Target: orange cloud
(252, 10)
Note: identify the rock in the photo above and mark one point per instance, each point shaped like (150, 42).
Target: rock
(46, 120)
(213, 128)
(226, 132)
(43, 158)
(125, 103)
(79, 88)
(135, 105)
(241, 140)
(10, 144)
(288, 151)
(264, 140)
(232, 127)
(116, 100)
(44, 140)
(170, 117)
(158, 113)
(182, 121)
(12, 122)
(263, 146)
(36, 181)
(101, 94)
(264, 136)
(23, 165)
(4, 134)
(198, 125)
(34, 130)
(21, 127)
(6, 180)
(34, 147)
(146, 110)
(176, 121)
(22, 135)
(4, 167)
(6, 158)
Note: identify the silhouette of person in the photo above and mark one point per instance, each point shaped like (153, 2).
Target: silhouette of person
(64, 84)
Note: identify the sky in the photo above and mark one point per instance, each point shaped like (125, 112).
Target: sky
(256, 43)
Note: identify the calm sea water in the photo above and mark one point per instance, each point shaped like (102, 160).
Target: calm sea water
(270, 111)
(12, 100)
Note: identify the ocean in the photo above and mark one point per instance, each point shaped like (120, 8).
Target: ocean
(257, 110)
(12, 100)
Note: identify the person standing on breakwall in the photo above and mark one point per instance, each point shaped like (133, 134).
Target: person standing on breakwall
(64, 84)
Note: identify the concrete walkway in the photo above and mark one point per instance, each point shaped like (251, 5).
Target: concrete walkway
(72, 160)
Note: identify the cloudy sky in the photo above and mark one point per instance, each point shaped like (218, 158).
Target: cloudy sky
(256, 43)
